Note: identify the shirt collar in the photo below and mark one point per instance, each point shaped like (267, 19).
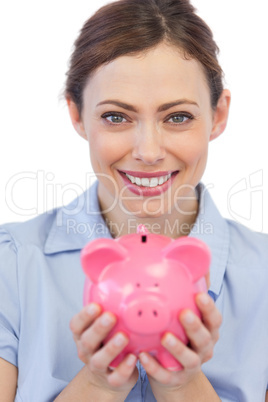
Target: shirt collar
(213, 229)
(76, 224)
(81, 221)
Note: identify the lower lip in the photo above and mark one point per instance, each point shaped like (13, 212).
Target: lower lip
(148, 191)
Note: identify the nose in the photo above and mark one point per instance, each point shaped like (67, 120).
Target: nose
(147, 314)
(149, 147)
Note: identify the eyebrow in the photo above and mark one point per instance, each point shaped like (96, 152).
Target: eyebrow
(161, 108)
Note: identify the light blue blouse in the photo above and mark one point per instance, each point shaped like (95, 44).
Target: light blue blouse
(41, 286)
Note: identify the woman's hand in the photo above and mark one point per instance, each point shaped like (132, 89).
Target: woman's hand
(90, 327)
(202, 336)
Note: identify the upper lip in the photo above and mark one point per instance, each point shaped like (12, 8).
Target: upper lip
(147, 174)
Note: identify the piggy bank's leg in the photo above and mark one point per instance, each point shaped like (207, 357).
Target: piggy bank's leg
(167, 360)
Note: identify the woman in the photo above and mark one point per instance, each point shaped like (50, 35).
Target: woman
(145, 90)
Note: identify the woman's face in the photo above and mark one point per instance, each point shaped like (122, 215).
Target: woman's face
(148, 121)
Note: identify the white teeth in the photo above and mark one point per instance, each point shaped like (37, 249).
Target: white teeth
(146, 182)
(153, 182)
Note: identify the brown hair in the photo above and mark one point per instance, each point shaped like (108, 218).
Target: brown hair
(134, 26)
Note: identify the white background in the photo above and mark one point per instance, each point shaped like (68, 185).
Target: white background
(44, 163)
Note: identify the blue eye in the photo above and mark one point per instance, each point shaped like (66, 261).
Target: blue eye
(179, 118)
(114, 118)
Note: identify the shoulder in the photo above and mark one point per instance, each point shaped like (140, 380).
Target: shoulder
(62, 229)
(31, 232)
(247, 246)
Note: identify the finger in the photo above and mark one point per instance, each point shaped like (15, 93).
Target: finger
(104, 356)
(155, 370)
(84, 318)
(199, 336)
(207, 278)
(124, 371)
(186, 356)
(210, 314)
(91, 338)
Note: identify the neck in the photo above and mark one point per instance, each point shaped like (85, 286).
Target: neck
(177, 222)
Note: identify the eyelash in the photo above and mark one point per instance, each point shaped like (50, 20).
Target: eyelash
(113, 114)
(105, 116)
(181, 114)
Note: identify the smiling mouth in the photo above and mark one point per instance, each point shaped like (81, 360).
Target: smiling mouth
(149, 182)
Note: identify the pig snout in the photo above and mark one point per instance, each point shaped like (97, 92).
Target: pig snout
(146, 314)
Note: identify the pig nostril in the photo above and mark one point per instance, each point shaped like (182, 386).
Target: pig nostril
(139, 313)
(155, 313)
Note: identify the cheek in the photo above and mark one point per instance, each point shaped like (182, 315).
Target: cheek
(104, 149)
(192, 149)
(199, 151)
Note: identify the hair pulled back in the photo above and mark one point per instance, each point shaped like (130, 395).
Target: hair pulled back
(134, 26)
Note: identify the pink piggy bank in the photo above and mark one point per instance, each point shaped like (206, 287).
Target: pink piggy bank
(146, 281)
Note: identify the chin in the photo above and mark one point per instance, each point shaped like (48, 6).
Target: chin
(148, 209)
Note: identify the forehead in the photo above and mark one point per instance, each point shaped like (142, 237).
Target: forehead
(162, 73)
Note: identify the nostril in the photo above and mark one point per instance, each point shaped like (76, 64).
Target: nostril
(155, 313)
(139, 313)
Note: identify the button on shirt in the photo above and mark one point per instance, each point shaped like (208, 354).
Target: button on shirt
(41, 288)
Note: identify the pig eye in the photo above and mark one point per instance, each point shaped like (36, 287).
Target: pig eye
(138, 285)
(156, 285)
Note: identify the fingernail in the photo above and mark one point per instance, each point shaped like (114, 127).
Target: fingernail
(170, 340)
(119, 340)
(131, 360)
(92, 309)
(144, 359)
(204, 298)
(106, 320)
(189, 317)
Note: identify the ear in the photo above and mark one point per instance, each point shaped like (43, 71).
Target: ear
(75, 118)
(192, 253)
(98, 254)
(221, 113)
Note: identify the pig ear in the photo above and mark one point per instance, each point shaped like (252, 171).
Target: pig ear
(99, 253)
(192, 253)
